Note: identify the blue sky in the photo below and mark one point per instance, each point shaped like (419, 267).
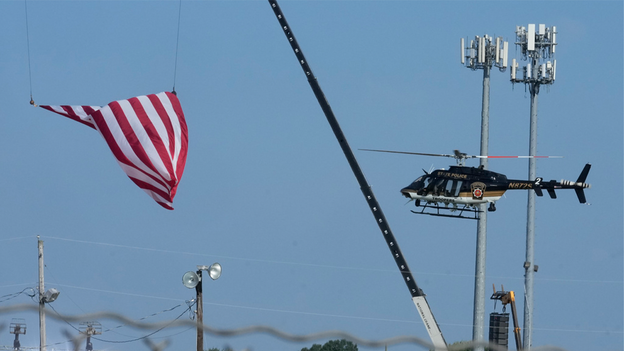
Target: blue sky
(267, 192)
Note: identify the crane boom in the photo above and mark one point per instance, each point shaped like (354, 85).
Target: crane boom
(418, 297)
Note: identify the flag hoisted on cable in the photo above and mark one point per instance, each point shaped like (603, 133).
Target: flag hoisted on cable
(148, 136)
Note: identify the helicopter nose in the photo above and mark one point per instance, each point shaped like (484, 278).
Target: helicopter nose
(408, 191)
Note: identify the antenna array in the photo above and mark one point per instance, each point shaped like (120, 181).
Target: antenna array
(483, 52)
(536, 46)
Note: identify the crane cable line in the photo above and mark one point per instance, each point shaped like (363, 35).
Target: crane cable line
(175, 65)
(32, 102)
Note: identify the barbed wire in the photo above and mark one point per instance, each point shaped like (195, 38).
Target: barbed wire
(76, 340)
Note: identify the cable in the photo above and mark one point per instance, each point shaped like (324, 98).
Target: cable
(145, 336)
(32, 102)
(320, 265)
(143, 318)
(122, 341)
(14, 295)
(175, 66)
(65, 294)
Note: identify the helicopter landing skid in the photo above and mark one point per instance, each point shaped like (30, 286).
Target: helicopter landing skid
(461, 211)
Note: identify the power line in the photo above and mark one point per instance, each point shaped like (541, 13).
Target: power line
(124, 341)
(314, 265)
(14, 295)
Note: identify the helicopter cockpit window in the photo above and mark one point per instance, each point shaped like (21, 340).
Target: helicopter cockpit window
(438, 187)
(448, 190)
(419, 180)
(427, 181)
(422, 182)
(453, 188)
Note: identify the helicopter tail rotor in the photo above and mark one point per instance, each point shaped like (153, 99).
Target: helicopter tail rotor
(580, 184)
(583, 176)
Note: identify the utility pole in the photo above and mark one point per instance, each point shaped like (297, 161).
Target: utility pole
(536, 45)
(482, 53)
(200, 313)
(194, 280)
(90, 329)
(17, 327)
(42, 326)
(44, 296)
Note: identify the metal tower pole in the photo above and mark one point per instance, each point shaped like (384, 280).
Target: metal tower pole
(485, 117)
(483, 53)
(42, 326)
(537, 44)
(479, 287)
(530, 233)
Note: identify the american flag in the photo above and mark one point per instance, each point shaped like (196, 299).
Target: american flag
(148, 136)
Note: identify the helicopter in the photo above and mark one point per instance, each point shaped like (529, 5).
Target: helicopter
(461, 189)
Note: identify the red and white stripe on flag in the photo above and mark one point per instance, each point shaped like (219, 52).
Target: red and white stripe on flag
(148, 136)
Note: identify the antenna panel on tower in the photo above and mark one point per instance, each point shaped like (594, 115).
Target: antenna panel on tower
(531, 37)
(505, 50)
(463, 58)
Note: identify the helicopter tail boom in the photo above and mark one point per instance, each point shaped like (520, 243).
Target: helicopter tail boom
(578, 186)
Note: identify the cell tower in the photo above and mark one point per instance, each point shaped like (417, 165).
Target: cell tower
(537, 47)
(483, 53)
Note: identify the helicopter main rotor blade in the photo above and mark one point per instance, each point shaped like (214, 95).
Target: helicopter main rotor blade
(457, 154)
(409, 153)
(516, 156)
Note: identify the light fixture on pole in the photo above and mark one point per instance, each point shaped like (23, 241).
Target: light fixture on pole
(192, 280)
(537, 46)
(483, 53)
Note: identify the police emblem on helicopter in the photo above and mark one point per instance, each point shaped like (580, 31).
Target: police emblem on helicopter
(478, 188)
